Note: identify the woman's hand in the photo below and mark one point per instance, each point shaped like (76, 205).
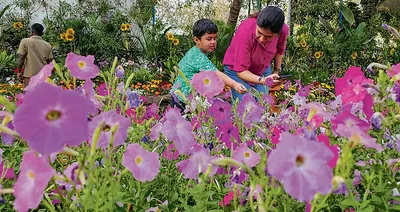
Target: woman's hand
(239, 88)
(274, 77)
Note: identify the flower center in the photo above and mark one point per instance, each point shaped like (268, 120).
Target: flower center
(31, 175)
(106, 128)
(81, 64)
(299, 160)
(247, 154)
(138, 160)
(53, 115)
(221, 109)
(206, 81)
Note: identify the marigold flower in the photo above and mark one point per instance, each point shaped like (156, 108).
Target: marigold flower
(392, 51)
(354, 55)
(175, 41)
(318, 54)
(170, 36)
(303, 43)
(70, 31)
(69, 37)
(62, 36)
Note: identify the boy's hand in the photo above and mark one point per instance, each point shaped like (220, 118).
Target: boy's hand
(239, 88)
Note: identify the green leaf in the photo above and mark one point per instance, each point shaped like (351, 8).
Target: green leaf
(361, 27)
(347, 14)
(350, 202)
(327, 25)
(367, 209)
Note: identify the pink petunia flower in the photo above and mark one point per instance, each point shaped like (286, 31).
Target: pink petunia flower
(207, 83)
(32, 180)
(102, 89)
(41, 77)
(89, 93)
(315, 109)
(221, 111)
(178, 130)
(350, 86)
(246, 155)
(81, 67)
(368, 104)
(110, 119)
(347, 119)
(170, 153)
(48, 124)
(355, 92)
(249, 110)
(197, 163)
(334, 149)
(395, 73)
(275, 135)
(143, 165)
(155, 131)
(302, 166)
(356, 135)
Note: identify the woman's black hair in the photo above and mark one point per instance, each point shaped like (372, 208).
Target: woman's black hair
(204, 26)
(271, 18)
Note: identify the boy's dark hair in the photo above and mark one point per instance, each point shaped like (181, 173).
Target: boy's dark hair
(37, 29)
(204, 26)
(271, 18)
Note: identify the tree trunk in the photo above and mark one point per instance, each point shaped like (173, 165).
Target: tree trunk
(234, 12)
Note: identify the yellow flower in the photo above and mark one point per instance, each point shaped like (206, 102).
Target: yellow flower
(170, 36)
(123, 27)
(70, 31)
(354, 55)
(62, 36)
(306, 48)
(18, 25)
(318, 54)
(392, 51)
(69, 37)
(175, 41)
(303, 35)
(303, 43)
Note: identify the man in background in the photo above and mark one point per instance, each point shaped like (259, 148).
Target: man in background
(33, 54)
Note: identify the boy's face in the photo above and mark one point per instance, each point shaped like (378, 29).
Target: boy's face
(207, 43)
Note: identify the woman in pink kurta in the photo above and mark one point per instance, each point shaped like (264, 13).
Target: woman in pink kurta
(258, 40)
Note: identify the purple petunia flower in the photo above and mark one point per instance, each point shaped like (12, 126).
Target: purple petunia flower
(302, 166)
(143, 165)
(40, 77)
(197, 163)
(376, 121)
(221, 111)
(229, 134)
(110, 119)
(81, 67)
(51, 117)
(6, 138)
(246, 155)
(170, 153)
(133, 98)
(119, 72)
(249, 110)
(178, 130)
(207, 83)
(32, 180)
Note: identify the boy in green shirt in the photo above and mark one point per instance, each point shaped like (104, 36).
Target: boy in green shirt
(205, 37)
